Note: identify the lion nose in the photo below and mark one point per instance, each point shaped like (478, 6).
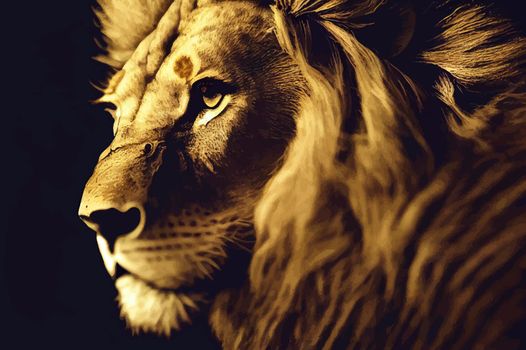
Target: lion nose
(112, 223)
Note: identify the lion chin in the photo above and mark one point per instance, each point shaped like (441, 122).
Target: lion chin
(148, 309)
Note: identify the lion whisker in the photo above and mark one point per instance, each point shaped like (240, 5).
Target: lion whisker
(238, 243)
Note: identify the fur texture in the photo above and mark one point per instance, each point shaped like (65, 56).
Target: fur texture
(396, 219)
(125, 24)
(139, 301)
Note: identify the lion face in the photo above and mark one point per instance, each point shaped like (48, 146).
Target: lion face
(199, 127)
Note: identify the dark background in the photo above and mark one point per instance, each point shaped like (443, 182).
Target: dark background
(54, 289)
(55, 292)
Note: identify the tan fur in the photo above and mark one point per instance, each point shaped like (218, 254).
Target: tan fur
(126, 23)
(381, 249)
(396, 217)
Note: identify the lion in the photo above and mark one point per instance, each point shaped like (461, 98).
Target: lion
(315, 173)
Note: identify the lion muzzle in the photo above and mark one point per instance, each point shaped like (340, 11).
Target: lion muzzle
(115, 195)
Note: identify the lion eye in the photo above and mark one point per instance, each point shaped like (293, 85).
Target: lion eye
(211, 96)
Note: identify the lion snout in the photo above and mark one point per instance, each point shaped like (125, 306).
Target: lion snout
(114, 198)
(112, 223)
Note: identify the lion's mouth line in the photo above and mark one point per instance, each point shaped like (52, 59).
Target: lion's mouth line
(197, 286)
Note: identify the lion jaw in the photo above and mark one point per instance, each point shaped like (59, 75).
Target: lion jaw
(148, 309)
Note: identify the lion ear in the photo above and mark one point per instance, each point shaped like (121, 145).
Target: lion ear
(124, 24)
(390, 31)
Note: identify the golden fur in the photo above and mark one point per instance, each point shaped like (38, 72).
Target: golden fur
(396, 219)
(408, 231)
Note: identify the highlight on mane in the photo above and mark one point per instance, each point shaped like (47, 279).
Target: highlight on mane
(395, 219)
(351, 227)
(125, 25)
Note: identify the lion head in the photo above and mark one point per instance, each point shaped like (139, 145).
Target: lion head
(314, 174)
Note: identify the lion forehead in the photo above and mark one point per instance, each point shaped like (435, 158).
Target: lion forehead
(214, 37)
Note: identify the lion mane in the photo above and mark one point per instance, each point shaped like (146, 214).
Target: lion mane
(397, 217)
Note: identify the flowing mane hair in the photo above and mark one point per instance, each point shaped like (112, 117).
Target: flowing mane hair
(376, 223)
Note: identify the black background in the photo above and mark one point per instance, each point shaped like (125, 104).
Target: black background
(58, 294)
(55, 291)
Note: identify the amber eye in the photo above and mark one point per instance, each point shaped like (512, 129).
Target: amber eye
(211, 95)
(212, 98)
